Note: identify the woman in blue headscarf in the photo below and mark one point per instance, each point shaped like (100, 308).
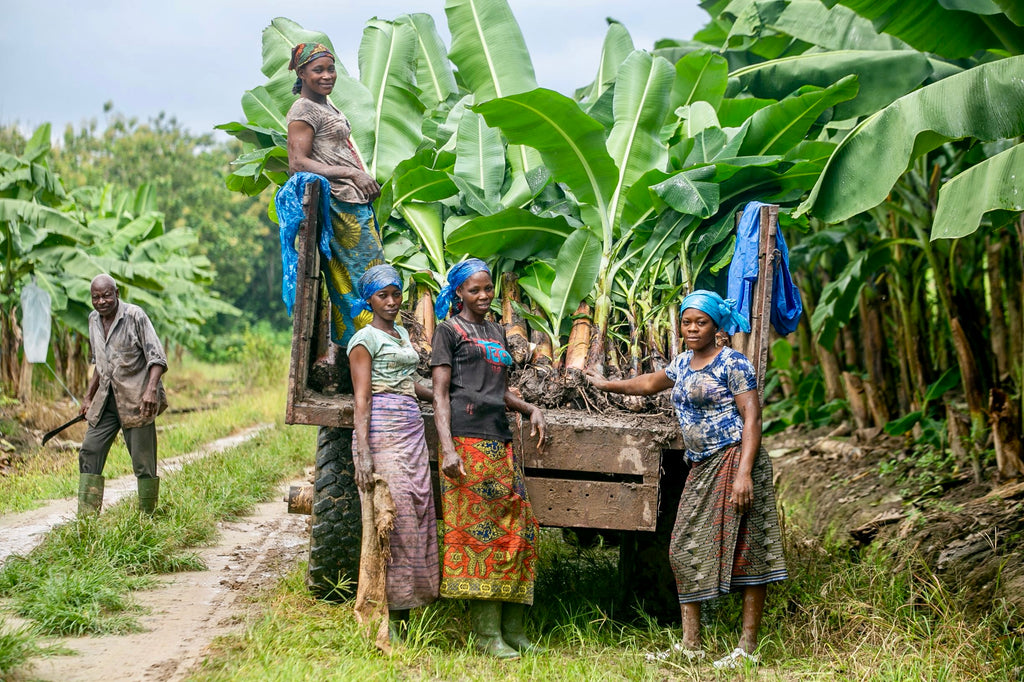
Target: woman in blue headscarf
(490, 533)
(726, 535)
(389, 441)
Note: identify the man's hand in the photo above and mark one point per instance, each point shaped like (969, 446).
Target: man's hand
(149, 402)
(86, 403)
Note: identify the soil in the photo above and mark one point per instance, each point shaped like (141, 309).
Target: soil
(188, 610)
(970, 534)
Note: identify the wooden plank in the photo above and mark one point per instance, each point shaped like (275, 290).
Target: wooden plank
(760, 318)
(307, 295)
(593, 504)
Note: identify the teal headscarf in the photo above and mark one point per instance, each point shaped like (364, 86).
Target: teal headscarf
(721, 311)
(459, 273)
(372, 281)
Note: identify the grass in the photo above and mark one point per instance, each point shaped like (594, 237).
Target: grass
(79, 580)
(46, 473)
(17, 645)
(877, 615)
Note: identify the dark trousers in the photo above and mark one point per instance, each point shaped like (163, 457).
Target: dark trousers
(141, 442)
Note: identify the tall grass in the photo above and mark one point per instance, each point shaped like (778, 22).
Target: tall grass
(238, 398)
(80, 578)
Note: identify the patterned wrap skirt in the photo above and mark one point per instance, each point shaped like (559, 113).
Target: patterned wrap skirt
(714, 550)
(355, 248)
(400, 457)
(490, 533)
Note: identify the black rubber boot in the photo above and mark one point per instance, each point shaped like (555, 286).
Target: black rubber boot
(486, 619)
(512, 629)
(90, 494)
(149, 493)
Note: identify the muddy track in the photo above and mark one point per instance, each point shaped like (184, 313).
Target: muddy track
(183, 614)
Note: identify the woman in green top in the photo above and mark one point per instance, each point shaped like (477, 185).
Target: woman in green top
(389, 441)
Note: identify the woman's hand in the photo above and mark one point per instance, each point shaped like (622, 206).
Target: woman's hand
(538, 427)
(451, 463)
(742, 493)
(365, 183)
(595, 379)
(364, 470)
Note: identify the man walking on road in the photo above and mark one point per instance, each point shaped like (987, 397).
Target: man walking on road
(125, 394)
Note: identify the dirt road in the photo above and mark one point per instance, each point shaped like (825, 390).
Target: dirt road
(183, 614)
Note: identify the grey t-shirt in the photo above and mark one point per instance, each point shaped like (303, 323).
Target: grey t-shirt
(331, 144)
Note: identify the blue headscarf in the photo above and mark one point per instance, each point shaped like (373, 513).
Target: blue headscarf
(722, 311)
(459, 273)
(372, 281)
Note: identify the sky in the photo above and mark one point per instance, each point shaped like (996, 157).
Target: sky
(193, 59)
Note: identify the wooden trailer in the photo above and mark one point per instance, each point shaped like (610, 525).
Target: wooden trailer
(605, 472)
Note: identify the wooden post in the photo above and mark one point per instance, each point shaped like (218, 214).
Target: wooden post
(755, 344)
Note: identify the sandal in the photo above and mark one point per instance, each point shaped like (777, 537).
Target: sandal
(735, 659)
(691, 655)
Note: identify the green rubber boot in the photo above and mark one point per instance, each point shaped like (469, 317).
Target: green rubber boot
(149, 491)
(90, 494)
(486, 619)
(512, 629)
(398, 625)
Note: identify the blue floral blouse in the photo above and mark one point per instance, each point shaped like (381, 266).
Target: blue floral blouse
(705, 403)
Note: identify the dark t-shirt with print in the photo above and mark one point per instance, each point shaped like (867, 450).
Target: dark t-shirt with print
(479, 360)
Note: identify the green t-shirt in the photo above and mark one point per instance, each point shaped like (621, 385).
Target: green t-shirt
(392, 361)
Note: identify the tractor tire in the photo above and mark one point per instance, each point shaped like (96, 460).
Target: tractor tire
(336, 533)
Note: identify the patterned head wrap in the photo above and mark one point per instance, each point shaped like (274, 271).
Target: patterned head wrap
(721, 311)
(459, 273)
(304, 53)
(372, 281)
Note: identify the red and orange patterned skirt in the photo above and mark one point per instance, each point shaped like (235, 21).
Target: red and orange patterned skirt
(490, 534)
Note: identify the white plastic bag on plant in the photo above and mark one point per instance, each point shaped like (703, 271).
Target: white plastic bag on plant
(35, 322)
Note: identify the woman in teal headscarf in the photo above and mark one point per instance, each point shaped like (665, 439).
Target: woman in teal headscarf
(319, 141)
(726, 535)
(488, 549)
(389, 441)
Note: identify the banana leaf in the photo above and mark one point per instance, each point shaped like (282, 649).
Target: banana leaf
(994, 184)
(570, 142)
(986, 102)
(883, 77)
(480, 155)
(278, 40)
(433, 72)
(387, 60)
(513, 233)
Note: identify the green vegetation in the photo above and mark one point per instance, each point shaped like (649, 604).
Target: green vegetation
(17, 645)
(610, 204)
(842, 615)
(79, 579)
(46, 473)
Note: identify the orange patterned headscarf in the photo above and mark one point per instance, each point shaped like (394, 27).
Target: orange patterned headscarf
(304, 53)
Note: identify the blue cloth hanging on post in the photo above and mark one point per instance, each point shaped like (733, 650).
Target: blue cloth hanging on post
(288, 204)
(786, 306)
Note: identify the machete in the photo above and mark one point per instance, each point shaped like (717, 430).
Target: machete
(60, 428)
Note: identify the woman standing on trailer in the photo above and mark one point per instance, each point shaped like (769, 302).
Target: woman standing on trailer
(490, 532)
(726, 535)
